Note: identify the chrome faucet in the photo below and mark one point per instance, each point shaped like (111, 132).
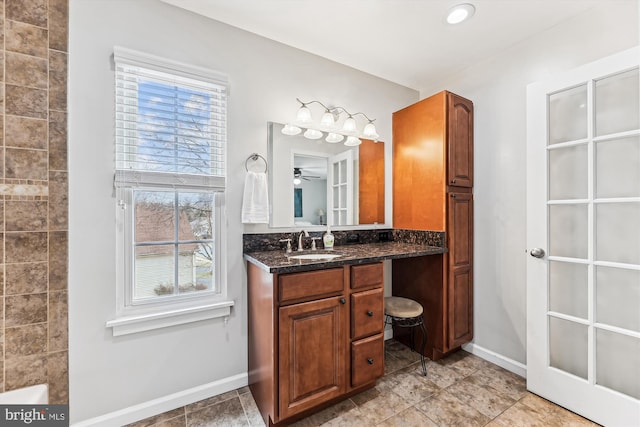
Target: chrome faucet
(306, 234)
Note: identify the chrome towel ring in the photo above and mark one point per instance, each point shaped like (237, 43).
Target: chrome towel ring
(254, 157)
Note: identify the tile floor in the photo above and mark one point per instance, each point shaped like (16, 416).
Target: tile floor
(460, 390)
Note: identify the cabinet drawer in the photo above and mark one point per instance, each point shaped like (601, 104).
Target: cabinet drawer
(367, 276)
(367, 360)
(367, 311)
(310, 284)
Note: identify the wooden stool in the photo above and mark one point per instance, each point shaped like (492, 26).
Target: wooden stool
(406, 313)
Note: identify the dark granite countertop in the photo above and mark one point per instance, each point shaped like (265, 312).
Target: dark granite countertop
(276, 261)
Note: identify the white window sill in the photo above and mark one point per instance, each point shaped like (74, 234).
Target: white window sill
(147, 322)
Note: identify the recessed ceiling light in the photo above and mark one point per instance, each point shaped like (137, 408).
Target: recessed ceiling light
(460, 13)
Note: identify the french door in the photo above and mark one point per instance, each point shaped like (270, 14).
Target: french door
(583, 238)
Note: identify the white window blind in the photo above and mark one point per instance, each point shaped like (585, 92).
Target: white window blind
(170, 122)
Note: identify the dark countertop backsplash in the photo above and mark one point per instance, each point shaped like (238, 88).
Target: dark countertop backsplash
(271, 241)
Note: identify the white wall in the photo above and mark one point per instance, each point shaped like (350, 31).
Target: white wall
(497, 86)
(107, 373)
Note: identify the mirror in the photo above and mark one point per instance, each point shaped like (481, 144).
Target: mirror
(312, 182)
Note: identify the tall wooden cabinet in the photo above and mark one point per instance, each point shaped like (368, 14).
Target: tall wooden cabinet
(432, 190)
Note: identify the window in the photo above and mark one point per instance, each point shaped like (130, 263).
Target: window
(170, 141)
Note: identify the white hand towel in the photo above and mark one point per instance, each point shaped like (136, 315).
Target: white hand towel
(255, 200)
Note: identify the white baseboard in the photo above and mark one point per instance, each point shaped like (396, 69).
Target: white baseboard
(497, 359)
(165, 403)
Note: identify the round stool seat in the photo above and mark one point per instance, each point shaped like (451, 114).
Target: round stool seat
(402, 307)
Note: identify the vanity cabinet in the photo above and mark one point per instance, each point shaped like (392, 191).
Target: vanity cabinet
(432, 190)
(315, 337)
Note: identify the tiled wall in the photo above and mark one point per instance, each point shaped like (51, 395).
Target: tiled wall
(33, 192)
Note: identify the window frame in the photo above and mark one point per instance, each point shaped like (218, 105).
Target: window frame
(137, 316)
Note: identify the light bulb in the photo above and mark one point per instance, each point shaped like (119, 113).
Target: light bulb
(304, 115)
(349, 125)
(312, 134)
(334, 137)
(327, 120)
(290, 129)
(352, 141)
(460, 13)
(296, 181)
(369, 132)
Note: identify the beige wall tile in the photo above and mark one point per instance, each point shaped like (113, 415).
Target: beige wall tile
(25, 371)
(26, 164)
(26, 247)
(57, 80)
(25, 132)
(58, 201)
(58, 374)
(25, 340)
(57, 140)
(58, 321)
(25, 38)
(25, 101)
(2, 59)
(29, 11)
(26, 215)
(26, 278)
(58, 24)
(58, 250)
(1, 373)
(25, 309)
(26, 70)
(2, 269)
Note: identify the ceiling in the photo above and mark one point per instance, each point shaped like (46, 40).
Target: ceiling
(404, 41)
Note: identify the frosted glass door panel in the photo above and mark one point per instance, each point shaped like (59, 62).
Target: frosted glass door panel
(617, 106)
(336, 174)
(618, 168)
(568, 231)
(568, 173)
(568, 346)
(618, 362)
(568, 287)
(618, 232)
(618, 297)
(568, 115)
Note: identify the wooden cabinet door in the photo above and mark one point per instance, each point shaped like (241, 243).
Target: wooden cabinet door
(312, 354)
(460, 278)
(460, 141)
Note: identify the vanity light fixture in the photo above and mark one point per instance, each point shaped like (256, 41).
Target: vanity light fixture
(328, 125)
(460, 13)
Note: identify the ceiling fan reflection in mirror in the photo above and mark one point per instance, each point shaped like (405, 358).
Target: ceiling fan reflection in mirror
(298, 176)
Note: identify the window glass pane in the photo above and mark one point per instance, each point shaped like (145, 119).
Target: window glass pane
(617, 103)
(568, 173)
(204, 264)
(568, 346)
(154, 271)
(154, 216)
(568, 115)
(568, 288)
(618, 232)
(618, 362)
(568, 231)
(618, 168)
(618, 297)
(196, 219)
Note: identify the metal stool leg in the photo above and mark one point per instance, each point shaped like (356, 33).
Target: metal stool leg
(424, 342)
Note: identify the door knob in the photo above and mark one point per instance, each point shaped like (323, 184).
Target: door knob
(537, 252)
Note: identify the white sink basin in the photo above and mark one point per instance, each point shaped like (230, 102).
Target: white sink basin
(316, 257)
